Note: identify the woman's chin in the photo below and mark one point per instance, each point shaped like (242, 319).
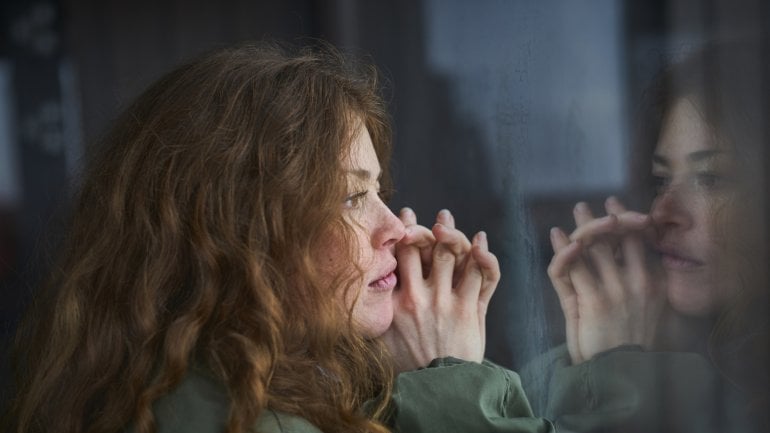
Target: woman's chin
(692, 301)
(374, 318)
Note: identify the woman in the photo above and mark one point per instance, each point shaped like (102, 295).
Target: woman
(677, 341)
(232, 266)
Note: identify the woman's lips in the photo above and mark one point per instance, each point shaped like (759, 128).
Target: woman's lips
(388, 282)
(674, 260)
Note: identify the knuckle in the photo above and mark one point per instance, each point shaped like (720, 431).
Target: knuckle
(465, 311)
(597, 306)
(492, 277)
(443, 254)
(553, 269)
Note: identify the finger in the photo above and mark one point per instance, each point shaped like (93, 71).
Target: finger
(558, 239)
(470, 280)
(613, 206)
(443, 265)
(489, 266)
(582, 213)
(460, 247)
(627, 220)
(632, 247)
(583, 280)
(452, 239)
(490, 277)
(588, 230)
(426, 257)
(422, 238)
(458, 244)
(608, 269)
(410, 269)
(630, 221)
(566, 255)
(418, 236)
(407, 216)
(599, 250)
(635, 260)
(569, 268)
(446, 218)
(615, 224)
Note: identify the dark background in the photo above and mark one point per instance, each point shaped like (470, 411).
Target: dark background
(69, 66)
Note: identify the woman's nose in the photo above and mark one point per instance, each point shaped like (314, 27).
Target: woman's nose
(669, 210)
(388, 229)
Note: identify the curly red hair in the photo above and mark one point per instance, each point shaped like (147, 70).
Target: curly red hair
(191, 242)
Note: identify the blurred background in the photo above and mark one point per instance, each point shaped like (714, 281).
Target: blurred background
(505, 111)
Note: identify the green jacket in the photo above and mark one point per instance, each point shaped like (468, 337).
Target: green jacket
(630, 390)
(449, 396)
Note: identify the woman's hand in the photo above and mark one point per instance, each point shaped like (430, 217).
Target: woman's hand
(608, 293)
(445, 284)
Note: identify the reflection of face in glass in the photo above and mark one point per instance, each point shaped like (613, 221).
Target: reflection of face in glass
(692, 211)
(377, 230)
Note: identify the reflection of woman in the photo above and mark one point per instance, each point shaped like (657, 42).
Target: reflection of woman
(679, 342)
(231, 264)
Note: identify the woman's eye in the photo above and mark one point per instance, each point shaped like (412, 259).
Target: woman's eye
(660, 183)
(354, 200)
(708, 180)
(385, 194)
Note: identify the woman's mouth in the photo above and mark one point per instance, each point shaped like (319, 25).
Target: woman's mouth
(672, 260)
(385, 283)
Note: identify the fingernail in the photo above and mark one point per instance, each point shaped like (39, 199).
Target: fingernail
(407, 211)
(481, 238)
(444, 214)
(642, 217)
(612, 204)
(554, 233)
(581, 207)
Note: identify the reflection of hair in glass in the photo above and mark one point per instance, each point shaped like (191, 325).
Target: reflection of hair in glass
(191, 246)
(729, 85)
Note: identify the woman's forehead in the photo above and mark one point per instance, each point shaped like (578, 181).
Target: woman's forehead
(361, 158)
(687, 136)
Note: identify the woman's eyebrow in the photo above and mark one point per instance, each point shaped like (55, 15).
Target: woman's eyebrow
(703, 155)
(698, 156)
(660, 160)
(363, 174)
(360, 173)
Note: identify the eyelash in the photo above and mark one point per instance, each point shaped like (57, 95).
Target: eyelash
(708, 180)
(705, 180)
(385, 194)
(659, 183)
(353, 201)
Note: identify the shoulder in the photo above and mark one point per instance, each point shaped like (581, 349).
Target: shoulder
(274, 422)
(200, 404)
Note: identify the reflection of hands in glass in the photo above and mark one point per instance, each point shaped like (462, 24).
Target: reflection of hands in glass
(445, 284)
(608, 293)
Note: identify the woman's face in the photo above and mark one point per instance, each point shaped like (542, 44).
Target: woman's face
(694, 213)
(377, 230)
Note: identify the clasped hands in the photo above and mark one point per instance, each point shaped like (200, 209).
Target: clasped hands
(440, 304)
(609, 292)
